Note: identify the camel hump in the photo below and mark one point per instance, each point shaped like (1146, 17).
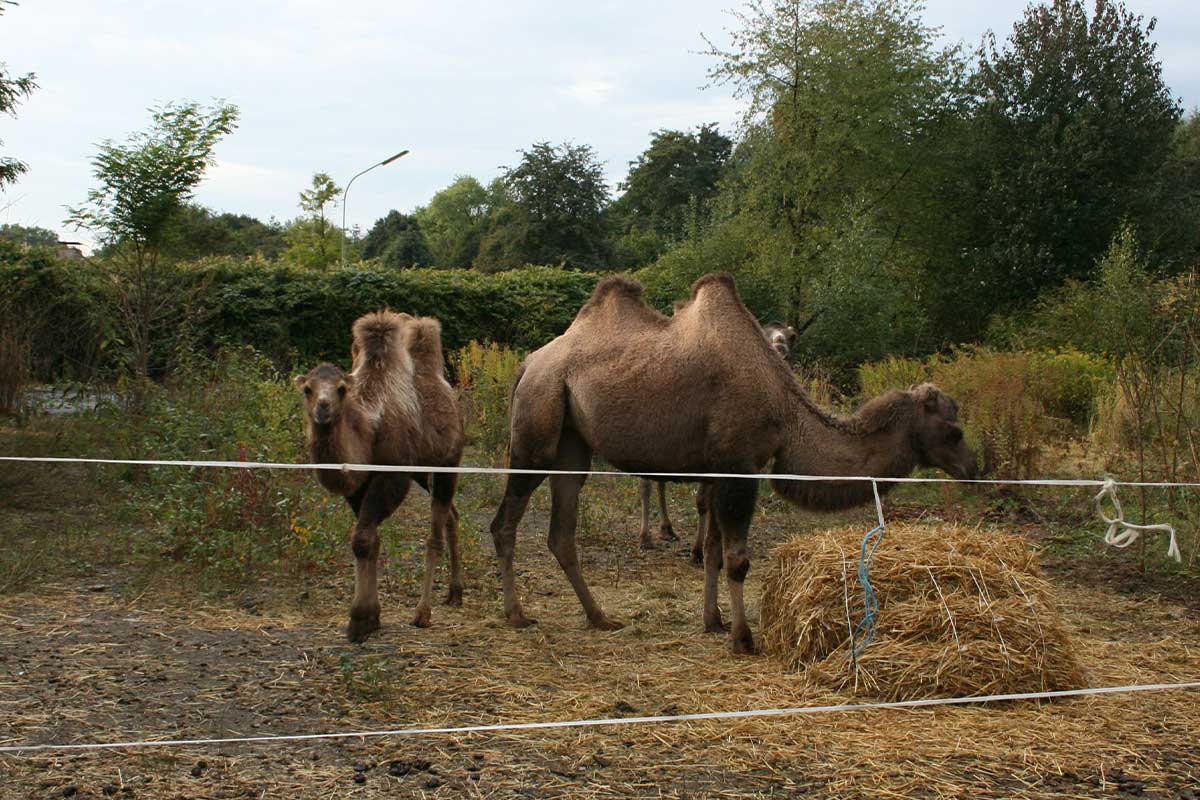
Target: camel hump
(615, 286)
(377, 334)
(723, 280)
(424, 341)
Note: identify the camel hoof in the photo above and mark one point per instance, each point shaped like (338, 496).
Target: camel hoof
(647, 543)
(454, 596)
(603, 623)
(519, 620)
(667, 534)
(716, 626)
(744, 646)
(697, 558)
(424, 617)
(361, 628)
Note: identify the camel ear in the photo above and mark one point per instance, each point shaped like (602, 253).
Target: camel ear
(299, 380)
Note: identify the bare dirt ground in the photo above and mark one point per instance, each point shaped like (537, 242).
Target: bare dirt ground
(94, 661)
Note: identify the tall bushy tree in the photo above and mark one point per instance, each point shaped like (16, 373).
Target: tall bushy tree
(847, 105)
(1071, 129)
(677, 172)
(453, 222)
(142, 184)
(397, 241)
(551, 211)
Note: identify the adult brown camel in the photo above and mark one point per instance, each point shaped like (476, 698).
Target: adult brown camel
(697, 392)
(781, 337)
(395, 407)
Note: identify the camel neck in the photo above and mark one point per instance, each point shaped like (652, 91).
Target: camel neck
(819, 444)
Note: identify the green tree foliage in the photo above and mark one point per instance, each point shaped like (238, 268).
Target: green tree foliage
(551, 211)
(313, 241)
(847, 107)
(671, 181)
(142, 184)
(13, 89)
(1071, 129)
(30, 236)
(397, 241)
(197, 232)
(454, 222)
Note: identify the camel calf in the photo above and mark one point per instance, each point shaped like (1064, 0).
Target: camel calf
(396, 408)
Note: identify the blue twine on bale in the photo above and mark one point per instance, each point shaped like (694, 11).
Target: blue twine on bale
(866, 627)
(864, 632)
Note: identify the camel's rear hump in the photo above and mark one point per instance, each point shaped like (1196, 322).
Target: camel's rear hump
(423, 338)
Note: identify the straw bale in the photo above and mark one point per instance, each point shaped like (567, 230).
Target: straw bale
(962, 611)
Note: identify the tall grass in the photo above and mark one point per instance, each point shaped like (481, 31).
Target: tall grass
(485, 375)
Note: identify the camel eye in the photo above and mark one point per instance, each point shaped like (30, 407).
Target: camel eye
(308, 391)
(955, 435)
(342, 390)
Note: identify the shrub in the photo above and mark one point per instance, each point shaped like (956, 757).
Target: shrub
(226, 522)
(1067, 382)
(1002, 415)
(485, 376)
(14, 367)
(877, 377)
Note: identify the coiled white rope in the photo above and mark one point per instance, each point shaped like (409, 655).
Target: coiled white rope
(592, 723)
(1121, 533)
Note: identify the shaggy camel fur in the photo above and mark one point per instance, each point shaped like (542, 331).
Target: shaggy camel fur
(781, 337)
(700, 391)
(395, 407)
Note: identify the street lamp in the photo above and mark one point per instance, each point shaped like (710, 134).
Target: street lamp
(346, 192)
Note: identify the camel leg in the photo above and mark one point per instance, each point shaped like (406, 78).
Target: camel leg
(517, 491)
(441, 492)
(455, 593)
(381, 496)
(734, 509)
(573, 454)
(712, 559)
(665, 531)
(644, 486)
(701, 525)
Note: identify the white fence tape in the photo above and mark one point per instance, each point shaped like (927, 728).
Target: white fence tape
(592, 723)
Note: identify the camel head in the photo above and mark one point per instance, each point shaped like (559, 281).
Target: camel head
(781, 337)
(325, 388)
(937, 435)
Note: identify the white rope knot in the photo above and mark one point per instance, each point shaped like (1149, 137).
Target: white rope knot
(1121, 533)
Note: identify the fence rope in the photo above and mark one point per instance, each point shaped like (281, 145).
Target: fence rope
(684, 476)
(592, 723)
(1121, 533)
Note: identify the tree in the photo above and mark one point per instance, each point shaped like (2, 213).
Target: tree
(30, 236)
(12, 91)
(675, 175)
(397, 241)
(197, 232)
(143, 183)
(550, 210)
(1071, 128)
(847, 104)
(313, 241)
(454, 221)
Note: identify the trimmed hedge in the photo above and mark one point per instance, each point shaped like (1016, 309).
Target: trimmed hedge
(297, 318)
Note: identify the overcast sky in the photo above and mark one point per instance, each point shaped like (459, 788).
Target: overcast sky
(335, 87)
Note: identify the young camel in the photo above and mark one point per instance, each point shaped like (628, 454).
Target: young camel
(395, 407)
(781, 337)
(701, 391)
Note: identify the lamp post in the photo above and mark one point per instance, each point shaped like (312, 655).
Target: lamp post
(346, 192)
